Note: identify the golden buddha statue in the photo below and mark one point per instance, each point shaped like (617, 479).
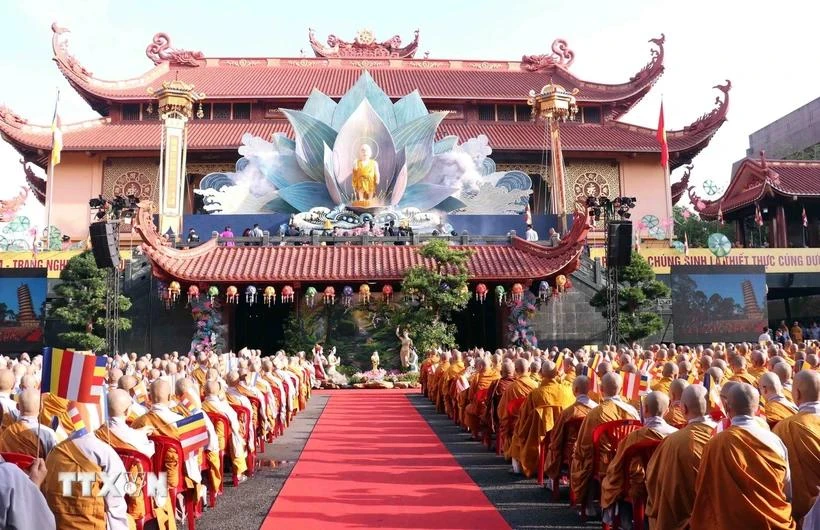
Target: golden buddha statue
(365, 177)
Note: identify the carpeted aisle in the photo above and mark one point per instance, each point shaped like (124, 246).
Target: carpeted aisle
(372, 461)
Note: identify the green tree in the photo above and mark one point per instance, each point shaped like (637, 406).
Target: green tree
(698, 230)
(81, 304)
(439, 291)
(638, 293)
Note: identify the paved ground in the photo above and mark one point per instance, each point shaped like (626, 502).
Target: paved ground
(522, 503)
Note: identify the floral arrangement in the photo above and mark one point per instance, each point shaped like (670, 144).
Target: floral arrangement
(209, 328)
(518, 324)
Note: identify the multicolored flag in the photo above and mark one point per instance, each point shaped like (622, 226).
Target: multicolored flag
(632, 386)
(56, 134)
(644, 384)
(75, 376)
(661, 135)
(193, 435)
(595, 361)
(87, 417)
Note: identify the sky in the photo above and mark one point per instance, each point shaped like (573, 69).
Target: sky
(767, 49)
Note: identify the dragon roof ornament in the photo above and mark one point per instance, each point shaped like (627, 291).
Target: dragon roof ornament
(364, 44)
(160, 51)
(561, 56)
(716, 115)
(59, 45)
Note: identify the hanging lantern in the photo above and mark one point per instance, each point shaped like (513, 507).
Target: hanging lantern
(173, 291)
(193, 293)
(213, 292)
(166, 298)
(481, 292)
(543, 290)
(232, 294)
(387, 291)
(250, 294)
(287, 294)
(560, 283)
(364, 293)
(269, 295)
(310, 296)
(517, 292)
(347, 296)
(499, 293)
(330, 295)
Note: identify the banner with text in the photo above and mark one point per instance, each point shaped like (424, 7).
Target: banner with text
(783, 260)
(53, 261)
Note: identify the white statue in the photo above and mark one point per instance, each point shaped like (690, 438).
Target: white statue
(374, 359)
(414, 361)
(332, 374)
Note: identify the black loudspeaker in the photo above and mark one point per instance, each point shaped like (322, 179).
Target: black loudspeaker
(619, 243)
(104, 244)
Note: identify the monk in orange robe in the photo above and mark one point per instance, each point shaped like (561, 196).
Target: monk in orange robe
(26, 436)
(784, 372)
(445, 400)
(801, 435)
(512, 401)
(562, 439)
(655, 405)
(537, 418)
(777, 407)
(426, 370)
(669, 374)
(739, 373)
(56, 406)
(674, 415)
(495, 392)
(758, 367)
(436, 375)
(477, 396)
(746, 454)
(236, 450)
(611, 408)
(673, 469)
(119, 435)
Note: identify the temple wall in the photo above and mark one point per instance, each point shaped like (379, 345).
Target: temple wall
(642, 177)
(77, 178)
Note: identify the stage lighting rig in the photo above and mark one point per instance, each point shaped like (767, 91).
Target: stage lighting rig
(115, 209)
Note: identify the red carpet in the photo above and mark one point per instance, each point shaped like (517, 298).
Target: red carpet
(373, 462)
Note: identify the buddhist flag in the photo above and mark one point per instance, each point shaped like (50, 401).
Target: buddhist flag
(643, 384)
(193, 435)
(758, 216)
(56, 134)
(632, 386)
(75, 376)
(805, 218)
(662, 140)
(87, 417)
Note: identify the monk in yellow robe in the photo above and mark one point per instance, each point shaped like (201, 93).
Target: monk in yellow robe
(477, 396)
(562, 439)
(200, 373)
(512, 401)
(674, 415)
(536, 418)
(434, 381)
(119, 435)
(746, 454)
(446, 390)
(778, 407)
(801, 435)
(236, 450)
(188, 404)
(27, 436)
(673, 469)
(669, 374)
(85, 454)
(758, 367)
(784, 373)
(739, 372)
(611, 408)
(655, 405)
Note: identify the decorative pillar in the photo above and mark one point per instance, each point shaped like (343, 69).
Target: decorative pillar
(781, 230)
(175, 101)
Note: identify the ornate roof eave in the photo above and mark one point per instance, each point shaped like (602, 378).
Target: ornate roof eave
(36, 184)
(681, 186)
(363, 45)
(189, 265)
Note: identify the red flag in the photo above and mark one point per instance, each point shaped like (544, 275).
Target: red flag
(631, 388)
(662, 140)
(805, 218)
(758, 216)
(720, 214)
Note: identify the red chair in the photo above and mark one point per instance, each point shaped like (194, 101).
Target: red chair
(555, 411)
(512, 410)
(259, 428)
(245, 417)
(612, 432)
(643, 451)
(220, 420)
(164, 445)
(131, 458)
(19, 459)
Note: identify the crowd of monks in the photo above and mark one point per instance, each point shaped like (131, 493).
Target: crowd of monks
(721, 437)
(246, 399)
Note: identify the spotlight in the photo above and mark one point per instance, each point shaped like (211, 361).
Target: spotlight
(97, 202)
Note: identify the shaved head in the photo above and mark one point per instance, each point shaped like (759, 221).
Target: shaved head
(742, 400)
(676, 388)
(7, 380)
(29, 402)
(548, 370)
(611, 384)
(160, 392)
(507, 368)
(30, 381)
(670, 370)
(211, 388)
(783, 371)
(127, 382)
(522, 366)
(118, 402)
(581, 385)
(694, 401)
(770, 385)
(806, 387)
(655, 404)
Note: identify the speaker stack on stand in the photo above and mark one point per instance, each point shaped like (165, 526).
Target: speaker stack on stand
(105, 244)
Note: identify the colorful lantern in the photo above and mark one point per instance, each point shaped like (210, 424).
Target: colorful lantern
(517, 292)
(193, 293)
(481, 292)
(250, 294)
(387, 291)
(287, 294)
(213, 292)
(232, 294)
(173, 291)
(364, 293)
(560, 283)
(310, 296)
(543, 290)
(330, 295)
(269, 295)
(499, 293)
(347, 296)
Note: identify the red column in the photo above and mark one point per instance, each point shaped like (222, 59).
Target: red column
(781, 234)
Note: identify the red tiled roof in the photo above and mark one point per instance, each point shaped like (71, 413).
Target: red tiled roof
(519, 260)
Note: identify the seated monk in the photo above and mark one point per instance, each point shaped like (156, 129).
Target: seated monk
(85, 453)
(477, 396)
(188, 404)
(26, 435)
(132, 385)
(213, 404)
(610, 409)
(675, 416)
(236, 398)
(8, 407)
(673, 468)
(562, 440)
(749, 455)
(777, 406)
(758, 367)
(784, 372)
(739, 374)
(277, 392)
(515, 393)
(535, 419)
(655, 405)
(801, 435)
(200, 373)
(669, 374)
(119, 435)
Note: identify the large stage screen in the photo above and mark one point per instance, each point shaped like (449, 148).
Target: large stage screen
(22, 302)
(718, 303)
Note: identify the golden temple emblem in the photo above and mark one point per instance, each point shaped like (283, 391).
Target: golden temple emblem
(306, 63)
(427, 64)
(484, 65)
(244, 63)
(368, 64)
(365, 37)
